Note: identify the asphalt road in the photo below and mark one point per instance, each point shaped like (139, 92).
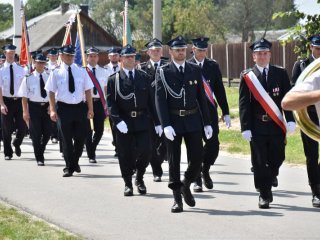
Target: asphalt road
(91, 204)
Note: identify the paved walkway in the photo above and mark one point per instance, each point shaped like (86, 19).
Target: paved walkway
(92, 205)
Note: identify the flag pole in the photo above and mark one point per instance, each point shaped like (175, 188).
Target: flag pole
(82, 43)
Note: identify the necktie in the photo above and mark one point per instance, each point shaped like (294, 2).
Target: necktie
(264, 77)
(200, 65)
(181, 70)
(71, 80)
(11, 80)
(155, 66)
(94, 88)
(42, 90)
(115, 68)
(131, 76)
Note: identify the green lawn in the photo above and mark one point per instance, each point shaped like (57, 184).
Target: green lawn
(232, 141)
(16, 225)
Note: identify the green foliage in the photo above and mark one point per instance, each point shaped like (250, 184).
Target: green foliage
(6, 16)
(301, 32)
(34, 8)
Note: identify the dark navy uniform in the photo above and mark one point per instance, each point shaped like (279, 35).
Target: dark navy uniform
(182, 109)
(212, 75)
(36, 105)
(130, 104)
(158, 143)
(268, 139)
(310, 146)
(11, 75)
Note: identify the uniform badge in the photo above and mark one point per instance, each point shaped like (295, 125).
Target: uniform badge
(195, 81)
(275, 91)
(149, 66)
(190, 82)
(208, 81)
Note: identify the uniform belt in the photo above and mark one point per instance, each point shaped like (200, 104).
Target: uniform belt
(96, 99)
(264, 117)
(42, 104)
(134, 114)
(70, 104)
(12, 98)
(183, 112)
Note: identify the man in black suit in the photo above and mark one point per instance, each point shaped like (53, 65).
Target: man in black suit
(310, 146)
(182, 108)
(216, 94)
(261, 91)
(130, 104)
(158, 145)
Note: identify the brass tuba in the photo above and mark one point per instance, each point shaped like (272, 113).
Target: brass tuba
(301, 116)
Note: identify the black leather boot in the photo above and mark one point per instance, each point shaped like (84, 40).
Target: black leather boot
(186, 193)
(177, 205)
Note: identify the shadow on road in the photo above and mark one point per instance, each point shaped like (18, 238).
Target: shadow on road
(266, 213)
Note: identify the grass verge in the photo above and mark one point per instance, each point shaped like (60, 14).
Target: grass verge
(17, 225)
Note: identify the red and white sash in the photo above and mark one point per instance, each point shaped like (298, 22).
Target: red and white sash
(209, 92)
(264, 99)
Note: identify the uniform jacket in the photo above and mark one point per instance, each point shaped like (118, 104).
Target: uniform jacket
(119, 108)
(211, 72)
(194, 98)
(250, 108)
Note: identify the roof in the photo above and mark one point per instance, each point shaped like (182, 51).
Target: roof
(44, 27)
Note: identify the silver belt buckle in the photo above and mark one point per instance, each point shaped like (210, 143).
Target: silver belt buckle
(43, 103)
(182, 113)
(133, 114)
(265, 118)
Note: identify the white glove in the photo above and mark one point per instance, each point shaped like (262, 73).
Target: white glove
(159, 130)
(208, 131)
(291, 127)
(247, 135)
(122, 126)
(227, 120)
(169, 133)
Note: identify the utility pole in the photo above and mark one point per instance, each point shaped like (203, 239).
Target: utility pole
(17, 24)
(157, 19)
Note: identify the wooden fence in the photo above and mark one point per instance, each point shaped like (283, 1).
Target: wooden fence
(234, 58)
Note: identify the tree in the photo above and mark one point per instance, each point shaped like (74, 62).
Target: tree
(307, 26)
(6, 13)
(34, 8)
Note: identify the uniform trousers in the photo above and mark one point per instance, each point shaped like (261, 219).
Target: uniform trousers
(54, 130)
(193, 141)
(134, 151)
(93, 140)
(311, 151)
(157, 155)
(114, 137)
(40, 128)
(72, 127)
(12, 120)
(267, 154)
(210, 150)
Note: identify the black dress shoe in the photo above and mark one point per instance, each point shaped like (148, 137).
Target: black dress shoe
(315, 201)
(17, 150)
(77, 169)
(91, 160)
(207, 179)
(141, 187)
(157, 179)
(7, 157)
(40, 163)
(128, 191)
(177, 207)
(54, 140)
(263, 203)
(275, 182)
(187, 195)
(67, 173)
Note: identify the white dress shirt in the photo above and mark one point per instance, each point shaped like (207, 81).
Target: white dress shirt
(261, 69)
(102, 75)
(58, 83)
(18, 75)
(127, 72)
(178, 65)
(109, 67)
(202, 62)
(30, 87)
(51, 65)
